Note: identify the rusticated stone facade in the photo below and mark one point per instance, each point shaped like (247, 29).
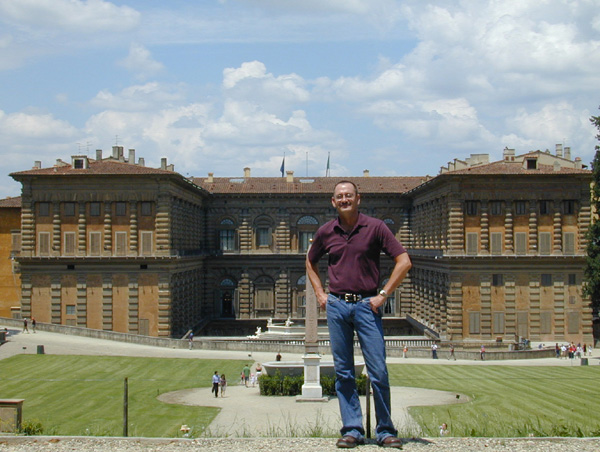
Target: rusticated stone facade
(498, 249)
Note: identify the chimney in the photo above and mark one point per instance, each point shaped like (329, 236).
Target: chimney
(247, 173)
(121, 156)
(290, 176)
(115, 152)
(559, 150)
(366, 173)
(509, 155)
(171, 167)
(163, 163)
(142, 161)
(578, 164)
(98, 155)
(210, 178)
(567, 152)
(37, 164)
(131, 158)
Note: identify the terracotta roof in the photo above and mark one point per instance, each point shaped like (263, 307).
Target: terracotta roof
(11, 202)
(104, 167)
(279, 185)
(502, 167)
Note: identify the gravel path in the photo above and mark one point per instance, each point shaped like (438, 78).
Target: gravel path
(60, 444)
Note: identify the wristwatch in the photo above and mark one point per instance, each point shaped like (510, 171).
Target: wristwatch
(383, 293)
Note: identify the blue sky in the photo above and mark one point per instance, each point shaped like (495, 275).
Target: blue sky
(395, 87)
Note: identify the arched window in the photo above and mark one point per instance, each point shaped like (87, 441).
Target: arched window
(227, 235)
(307, 226)
(390, 224)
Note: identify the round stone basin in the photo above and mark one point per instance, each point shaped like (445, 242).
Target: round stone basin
(296, 368)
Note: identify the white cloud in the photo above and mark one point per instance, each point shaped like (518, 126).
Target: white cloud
(140, 62)
(88, 16)
(26, 127)
(148, 96)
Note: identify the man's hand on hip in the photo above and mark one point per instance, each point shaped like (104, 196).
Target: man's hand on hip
(376, 302)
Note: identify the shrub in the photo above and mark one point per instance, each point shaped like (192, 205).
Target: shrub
(31, 428)
(278, 385)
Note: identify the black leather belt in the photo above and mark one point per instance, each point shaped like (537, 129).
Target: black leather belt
(353, 297)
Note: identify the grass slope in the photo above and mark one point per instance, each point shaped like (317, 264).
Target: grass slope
(508, 401)
(83, 395)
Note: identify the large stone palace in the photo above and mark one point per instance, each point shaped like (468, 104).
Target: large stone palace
(498, 248)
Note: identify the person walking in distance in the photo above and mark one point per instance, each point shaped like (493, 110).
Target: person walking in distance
(451, 353)
(215, 383)
(354, 242)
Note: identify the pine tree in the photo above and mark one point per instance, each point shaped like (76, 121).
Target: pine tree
(592, 270)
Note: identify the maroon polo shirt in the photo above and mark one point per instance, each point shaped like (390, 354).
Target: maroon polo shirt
(354, 257)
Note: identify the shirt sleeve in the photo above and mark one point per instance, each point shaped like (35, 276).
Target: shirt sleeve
(317, 249)
(389, 244)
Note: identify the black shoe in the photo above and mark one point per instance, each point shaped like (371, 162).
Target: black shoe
(348, 442)
(392, 441)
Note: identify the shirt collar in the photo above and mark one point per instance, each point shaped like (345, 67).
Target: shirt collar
(361, 222)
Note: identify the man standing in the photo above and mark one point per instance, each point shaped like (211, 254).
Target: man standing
(215, 383)
(246, 373)
(354, 243)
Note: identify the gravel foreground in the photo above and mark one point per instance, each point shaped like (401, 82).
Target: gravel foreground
(85, 444)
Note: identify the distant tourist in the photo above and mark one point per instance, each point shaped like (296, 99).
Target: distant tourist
(215, 383)
(25, 325)
(223, 385)
(434, 349)
(405, 351)
(278, 357)
(33, 324)
(482, 353)
(246, 373)
(191, 341)
(451, 353)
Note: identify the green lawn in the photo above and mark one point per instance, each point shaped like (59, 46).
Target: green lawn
(83, 395)
(508, 401)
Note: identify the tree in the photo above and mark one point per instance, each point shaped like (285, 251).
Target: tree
(592, 269)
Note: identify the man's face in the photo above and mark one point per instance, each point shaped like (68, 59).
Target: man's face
(345, 199)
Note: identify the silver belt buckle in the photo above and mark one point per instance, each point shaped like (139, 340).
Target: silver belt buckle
(351, 297)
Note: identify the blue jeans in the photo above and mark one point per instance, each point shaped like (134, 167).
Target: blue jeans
(343, 319)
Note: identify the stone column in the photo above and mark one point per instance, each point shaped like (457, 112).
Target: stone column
(557, 226)
(560, 303)
(456, 227)
(107, 251)
(485, 295)
(28, 237)
(81, 300)
(107, 302)
(282, 232)
(510, 307)
(134, 304)
(163, 226)
(311, 389)
(485, 228)
(534, 306)
(533, 231)
(454, 302)
(133, 230)
(81, 231)
(56, 238)
(508, 230)
(55, 299)
(245, 232)
(164, 305)
(584, 219)
(283, 306)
